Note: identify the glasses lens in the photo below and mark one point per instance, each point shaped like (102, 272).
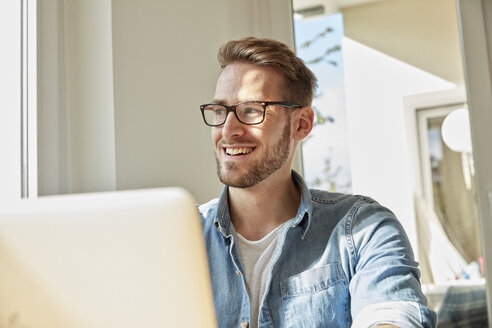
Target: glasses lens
(250, 113)
(214, 114)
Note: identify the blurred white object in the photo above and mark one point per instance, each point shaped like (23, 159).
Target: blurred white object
(456, 131)
(471, 271)
(442, 261)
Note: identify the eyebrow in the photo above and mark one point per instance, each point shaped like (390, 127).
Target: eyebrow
(223, 102)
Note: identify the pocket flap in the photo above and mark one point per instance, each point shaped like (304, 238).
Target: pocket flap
(313, 280)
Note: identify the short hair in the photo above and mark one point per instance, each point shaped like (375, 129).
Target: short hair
(301, 83)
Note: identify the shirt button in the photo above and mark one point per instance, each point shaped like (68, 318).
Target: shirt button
(244, 324)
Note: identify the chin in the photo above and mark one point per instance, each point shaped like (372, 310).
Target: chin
(235, 179)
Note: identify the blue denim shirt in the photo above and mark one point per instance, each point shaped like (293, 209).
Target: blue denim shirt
(342, 261)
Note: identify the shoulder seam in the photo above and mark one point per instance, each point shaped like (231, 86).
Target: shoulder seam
(348, 228)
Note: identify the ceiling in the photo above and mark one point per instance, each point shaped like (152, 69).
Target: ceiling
(331, 6)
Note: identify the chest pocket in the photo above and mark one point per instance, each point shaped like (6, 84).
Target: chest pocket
(317, 297)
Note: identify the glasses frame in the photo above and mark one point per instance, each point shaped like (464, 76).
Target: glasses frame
(232, 108)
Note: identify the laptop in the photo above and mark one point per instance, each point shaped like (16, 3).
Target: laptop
(104, 260)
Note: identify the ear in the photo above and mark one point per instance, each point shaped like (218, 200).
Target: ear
(304, 120)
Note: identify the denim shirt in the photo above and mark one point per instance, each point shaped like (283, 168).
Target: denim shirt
(342, 261)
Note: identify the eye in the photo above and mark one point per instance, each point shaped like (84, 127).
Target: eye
(216, 110)
(252, 110)
(219, 110)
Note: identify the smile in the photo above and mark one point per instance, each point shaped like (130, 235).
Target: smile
(238, 150)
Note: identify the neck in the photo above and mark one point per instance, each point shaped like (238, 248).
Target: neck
(257, 210)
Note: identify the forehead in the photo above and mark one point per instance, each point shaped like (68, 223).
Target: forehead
(242, 82)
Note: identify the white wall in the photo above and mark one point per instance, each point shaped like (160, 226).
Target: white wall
(89, 87)
(89, 91)
(375, 85)
(51, 137)
(76, 123)
(421, 33)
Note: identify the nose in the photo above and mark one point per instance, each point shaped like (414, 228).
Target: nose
(232, 127)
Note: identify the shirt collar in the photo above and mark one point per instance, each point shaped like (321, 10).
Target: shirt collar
(305, 211)
(222, 221)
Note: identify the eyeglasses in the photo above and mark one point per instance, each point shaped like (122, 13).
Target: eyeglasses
(249, 112)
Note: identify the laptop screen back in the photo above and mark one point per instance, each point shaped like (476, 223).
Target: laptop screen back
(118, 259)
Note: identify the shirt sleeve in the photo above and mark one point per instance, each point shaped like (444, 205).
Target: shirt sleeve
(399, 313)
(384, 286)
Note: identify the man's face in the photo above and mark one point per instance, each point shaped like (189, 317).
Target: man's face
(248, 154)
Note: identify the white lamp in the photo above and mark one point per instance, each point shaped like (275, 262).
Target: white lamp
(456, 131)
(456, 134)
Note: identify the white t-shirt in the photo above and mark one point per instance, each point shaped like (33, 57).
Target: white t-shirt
(256, 256)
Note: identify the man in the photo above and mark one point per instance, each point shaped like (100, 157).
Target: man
(281, 255)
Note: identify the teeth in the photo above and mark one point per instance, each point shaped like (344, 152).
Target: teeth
(236, 151)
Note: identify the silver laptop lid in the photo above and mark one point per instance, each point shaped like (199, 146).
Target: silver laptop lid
(118, 259)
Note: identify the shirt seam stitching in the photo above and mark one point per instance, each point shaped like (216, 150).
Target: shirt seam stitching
(348, 230)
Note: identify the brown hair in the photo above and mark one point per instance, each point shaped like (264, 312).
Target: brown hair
(300, 81)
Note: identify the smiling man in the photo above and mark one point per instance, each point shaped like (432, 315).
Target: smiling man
(281, 255)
